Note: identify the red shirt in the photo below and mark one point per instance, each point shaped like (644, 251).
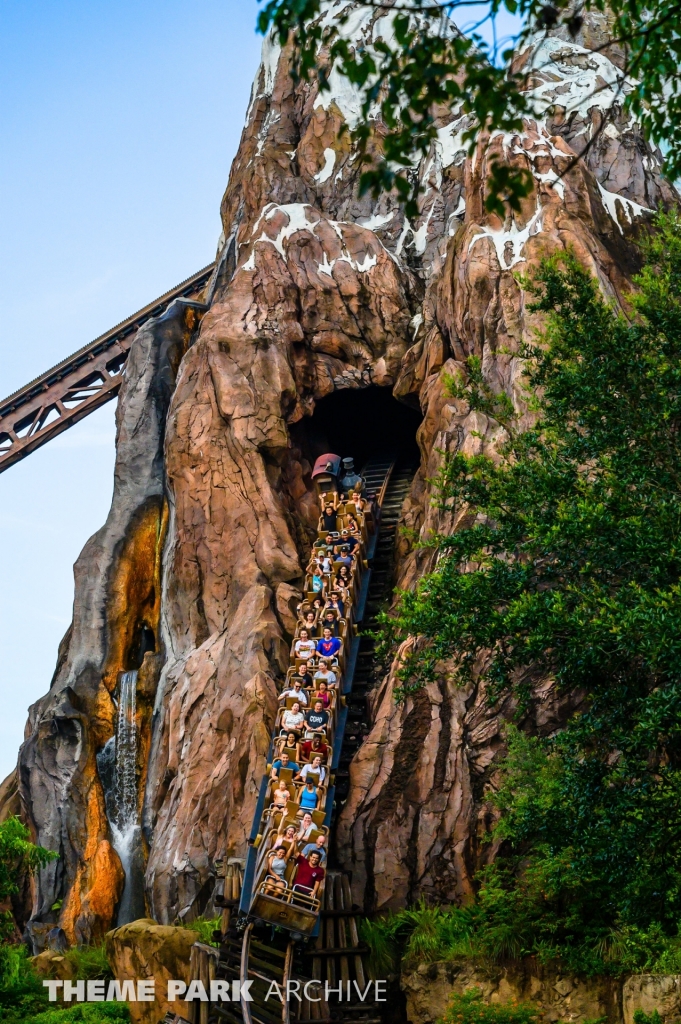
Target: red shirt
(306, 875)
(308, 751)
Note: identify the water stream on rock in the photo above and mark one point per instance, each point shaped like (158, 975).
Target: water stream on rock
(117, 765)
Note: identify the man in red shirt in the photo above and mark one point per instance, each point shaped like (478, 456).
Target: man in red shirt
(309, 748)
(309, 874)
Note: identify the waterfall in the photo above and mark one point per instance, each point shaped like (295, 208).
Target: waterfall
(117, 765)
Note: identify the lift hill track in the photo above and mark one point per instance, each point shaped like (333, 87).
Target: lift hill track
(250, 950)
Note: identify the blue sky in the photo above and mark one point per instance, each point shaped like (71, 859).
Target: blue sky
(118, 123)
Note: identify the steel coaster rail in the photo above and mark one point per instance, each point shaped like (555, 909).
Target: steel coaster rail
(86, 380)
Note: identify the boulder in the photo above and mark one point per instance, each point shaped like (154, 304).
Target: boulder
(50, 964)
(143, 950)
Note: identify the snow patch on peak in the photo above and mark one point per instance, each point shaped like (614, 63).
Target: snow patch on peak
(327, 169)
(297, 221)
(575, 78)
(629, 207)
(299, 218)
(509, 244)
(266, 73)
(377, 220)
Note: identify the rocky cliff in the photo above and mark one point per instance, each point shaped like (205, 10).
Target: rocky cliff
(193, 579)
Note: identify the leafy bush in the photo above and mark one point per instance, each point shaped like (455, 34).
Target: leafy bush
(21, 990)
(89, 962)
(470, 1009)
(81, 1013)
(17, 856)
(205, 926)
(24, 999)
(640, 1017)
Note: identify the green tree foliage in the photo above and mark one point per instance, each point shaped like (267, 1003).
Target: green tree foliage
(17, 855)
(567, 565)
(422, 64)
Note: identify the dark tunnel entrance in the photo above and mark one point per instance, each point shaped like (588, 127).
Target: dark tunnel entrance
(362, 423)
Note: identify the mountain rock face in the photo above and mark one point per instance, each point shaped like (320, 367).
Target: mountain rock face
(195, 576)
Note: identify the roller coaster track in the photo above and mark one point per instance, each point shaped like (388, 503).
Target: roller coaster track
(77, 386)
(269, 957)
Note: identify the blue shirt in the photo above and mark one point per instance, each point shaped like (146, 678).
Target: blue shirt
(292, 764)
(313, 848)
(308, 799)
(329, 647)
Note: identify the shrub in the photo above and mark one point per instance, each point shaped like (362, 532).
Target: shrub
(89, 962)
(205, 926)
(470, 1009)
(82, 1013)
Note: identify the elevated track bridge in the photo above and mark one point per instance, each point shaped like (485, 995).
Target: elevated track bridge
(77, 386)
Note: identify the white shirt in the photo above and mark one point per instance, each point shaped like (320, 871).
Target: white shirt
(299, 695)
(305, 648)
(320, 773)
(292, 721)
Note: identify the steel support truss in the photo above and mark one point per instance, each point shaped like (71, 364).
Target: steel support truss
(80, 384)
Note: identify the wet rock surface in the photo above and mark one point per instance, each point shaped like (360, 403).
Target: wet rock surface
(316, 291)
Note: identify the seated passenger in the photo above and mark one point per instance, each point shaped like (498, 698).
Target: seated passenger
(345, 558)
(329, 497)
(358, 501)
(282, 762)
(292, 719)
(309, 797)
(326, 563)
(285, 840)
(309, 875)
(352, 526)
(339, 589)
(317, 719)
(289, 740)
(330, 619)
(349, 541)
(309, 622)
(281, 796)
(323, 694)
(305, 675)
(329, 645)
(317, 582)
(296, 691)
(324, 674)
(310, 748)
(306, 826)
(343, 576)
(329, 518)
(315, 769)
(316, 847)
(334, 603)
(277, 859)
(304, 647)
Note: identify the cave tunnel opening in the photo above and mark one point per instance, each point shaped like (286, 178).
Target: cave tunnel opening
(144, 641)
(362, 423)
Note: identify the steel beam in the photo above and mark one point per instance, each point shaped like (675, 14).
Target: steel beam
(77, 386)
